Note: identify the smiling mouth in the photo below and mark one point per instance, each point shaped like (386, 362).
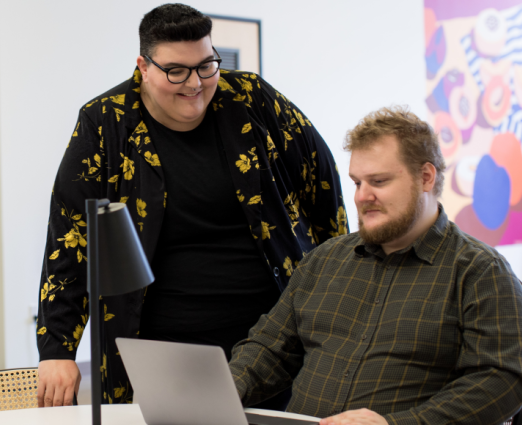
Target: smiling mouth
(189, 94)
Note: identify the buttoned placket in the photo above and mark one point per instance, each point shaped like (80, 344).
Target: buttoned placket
(383, 272)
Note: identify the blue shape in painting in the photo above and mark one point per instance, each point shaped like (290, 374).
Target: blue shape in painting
(438, 101)
(491, 192)
(435, 53)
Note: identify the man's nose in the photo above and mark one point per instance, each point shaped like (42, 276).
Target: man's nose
(364, 193)
(193, 81)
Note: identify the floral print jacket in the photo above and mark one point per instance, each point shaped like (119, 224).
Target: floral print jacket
(284, 175)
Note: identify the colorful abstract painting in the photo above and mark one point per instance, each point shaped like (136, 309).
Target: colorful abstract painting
(474, 99)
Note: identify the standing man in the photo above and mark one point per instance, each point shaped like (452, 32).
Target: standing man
(228, 184)
(409, 320)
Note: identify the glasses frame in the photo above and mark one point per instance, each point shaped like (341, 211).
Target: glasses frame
(190, 68)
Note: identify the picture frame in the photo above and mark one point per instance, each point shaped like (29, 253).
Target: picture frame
(238, 42)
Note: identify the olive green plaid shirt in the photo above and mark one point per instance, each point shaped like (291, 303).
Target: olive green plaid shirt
(430, 334)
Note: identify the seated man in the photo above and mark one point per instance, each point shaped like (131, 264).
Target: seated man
(409, 320)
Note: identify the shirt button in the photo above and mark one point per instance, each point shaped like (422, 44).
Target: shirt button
(276, 272)
(363, 337)
(347, 373)
(376, 301)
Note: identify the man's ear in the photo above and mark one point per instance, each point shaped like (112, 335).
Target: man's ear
(429, 175)
(143, 67)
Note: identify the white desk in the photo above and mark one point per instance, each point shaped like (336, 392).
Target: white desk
(114, 414)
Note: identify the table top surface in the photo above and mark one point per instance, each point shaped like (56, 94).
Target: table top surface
(113, 414)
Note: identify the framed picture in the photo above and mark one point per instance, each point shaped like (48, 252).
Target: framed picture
(238, 42)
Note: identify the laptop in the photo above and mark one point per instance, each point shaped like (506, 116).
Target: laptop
(188, 384)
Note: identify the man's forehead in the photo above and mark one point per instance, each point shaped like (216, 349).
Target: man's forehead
(378, 158)
(181, 50)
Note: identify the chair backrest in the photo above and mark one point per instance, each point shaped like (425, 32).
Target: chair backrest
(18, 388)
(515, 420)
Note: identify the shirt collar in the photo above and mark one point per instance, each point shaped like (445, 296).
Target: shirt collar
(426, 247)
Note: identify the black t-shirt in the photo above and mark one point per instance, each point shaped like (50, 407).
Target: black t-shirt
(211, 280)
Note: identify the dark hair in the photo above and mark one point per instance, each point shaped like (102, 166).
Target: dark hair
(418, 144)
(172, 22)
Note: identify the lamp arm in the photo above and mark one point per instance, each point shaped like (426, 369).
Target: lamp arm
(91, 206)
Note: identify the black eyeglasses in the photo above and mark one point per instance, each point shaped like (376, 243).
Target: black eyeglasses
(179, 74)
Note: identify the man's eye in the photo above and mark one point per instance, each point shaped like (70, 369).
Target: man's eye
(177, 71)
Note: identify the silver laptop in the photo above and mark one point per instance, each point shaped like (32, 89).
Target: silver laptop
(187, 384)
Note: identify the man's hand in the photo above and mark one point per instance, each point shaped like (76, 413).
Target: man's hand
(355, 417)
(59, 382)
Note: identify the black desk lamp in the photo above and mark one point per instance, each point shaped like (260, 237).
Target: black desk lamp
(116, 264)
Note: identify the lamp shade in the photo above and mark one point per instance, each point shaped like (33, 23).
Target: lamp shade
(123, 266)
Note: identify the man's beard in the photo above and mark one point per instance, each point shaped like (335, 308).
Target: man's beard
(396, 228)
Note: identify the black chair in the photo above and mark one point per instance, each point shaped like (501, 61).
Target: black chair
(517, 419)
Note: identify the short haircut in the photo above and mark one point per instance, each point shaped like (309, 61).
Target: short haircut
(172, 22)
(418, 144)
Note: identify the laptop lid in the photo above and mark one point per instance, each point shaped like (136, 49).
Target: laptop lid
(181, 384)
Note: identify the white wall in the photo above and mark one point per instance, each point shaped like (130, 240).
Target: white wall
(336, 59)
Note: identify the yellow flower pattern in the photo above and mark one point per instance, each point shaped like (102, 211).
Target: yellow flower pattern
(340, 226)
(128, 167)
(152, 159)
(280, 169)
(141, 205)
(243, 163)
(266, 230)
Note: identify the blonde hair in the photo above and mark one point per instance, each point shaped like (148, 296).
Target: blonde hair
(418, 144)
